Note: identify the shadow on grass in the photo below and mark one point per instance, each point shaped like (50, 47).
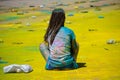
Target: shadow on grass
(81, 65)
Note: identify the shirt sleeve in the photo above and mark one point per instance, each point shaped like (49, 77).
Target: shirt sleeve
(72, 35)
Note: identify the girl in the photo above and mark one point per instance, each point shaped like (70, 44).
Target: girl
(59, 48)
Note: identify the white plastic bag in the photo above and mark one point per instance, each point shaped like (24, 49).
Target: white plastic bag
(13, 68)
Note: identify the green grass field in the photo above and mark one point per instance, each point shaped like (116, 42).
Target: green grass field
(19, 44)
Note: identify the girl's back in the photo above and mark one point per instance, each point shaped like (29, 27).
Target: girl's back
(60, 50)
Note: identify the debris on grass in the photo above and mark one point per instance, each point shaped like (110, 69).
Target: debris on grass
(106, 48)
(33, 17)
(42, 6)
(77, 2)
(19, 43)
(2, 61)
(20, 13)
(113, 3)
(92, 29)
(93, 0)
(27, 24)
(92, 5)
(1, 41)
(111, 41)
(100, 16)
(106, 4)
(83, 1)
(19, 22)
(31, 30)
(14, 10)
(59, 4)
(15, 68)
(29, 60)
(84, 11)
(70, 14)
(98, 9)
(31, 6)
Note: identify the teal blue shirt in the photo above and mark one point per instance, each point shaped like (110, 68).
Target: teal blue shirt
(60, 50)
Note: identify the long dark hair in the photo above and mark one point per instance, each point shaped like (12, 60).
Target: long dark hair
(56, 22)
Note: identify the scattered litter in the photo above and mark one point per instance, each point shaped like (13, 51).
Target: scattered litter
(2, 61)
(11, 18)
(113, 3)
(77, 2)
(59, 4)
(15, 68)
(98, 9)
(92, 29)
(31, 6)
(100, 17)
(106, 48)
(106, 4)
(17, 43)
(31, 30)
(33, 17)
(84, 11)
(14, 10)
(83, 1)
(65, 4)
(111, 41)
(19, 22)
(1, 41)
(93, 0)
(70, 14)
(29, 60)
(92, 6)
(42, 6)
(46, 11)
(27, 24)
(20, 13)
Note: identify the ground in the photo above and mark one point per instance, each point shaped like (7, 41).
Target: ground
(19, 44)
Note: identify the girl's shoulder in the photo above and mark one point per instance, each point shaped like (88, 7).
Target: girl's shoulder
(66, 29)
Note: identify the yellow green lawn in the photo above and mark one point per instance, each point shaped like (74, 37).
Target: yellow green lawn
(21, 46)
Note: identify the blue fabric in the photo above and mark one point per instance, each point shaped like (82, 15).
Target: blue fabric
(73, 65)
(60, 50)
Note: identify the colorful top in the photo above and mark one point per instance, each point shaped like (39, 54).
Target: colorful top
(60, 50)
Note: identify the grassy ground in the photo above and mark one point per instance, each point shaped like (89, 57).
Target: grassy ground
(97, 60)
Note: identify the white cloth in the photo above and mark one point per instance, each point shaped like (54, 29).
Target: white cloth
(17, 68)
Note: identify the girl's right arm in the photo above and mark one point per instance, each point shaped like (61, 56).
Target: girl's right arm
(75, 48)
